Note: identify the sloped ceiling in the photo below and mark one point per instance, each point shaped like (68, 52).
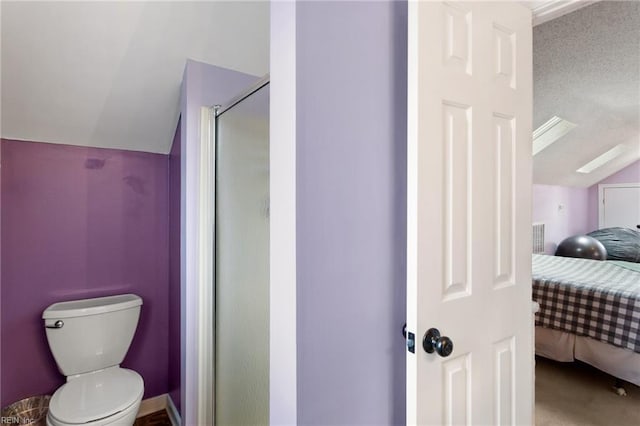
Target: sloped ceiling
(108, 74)
(586, 69)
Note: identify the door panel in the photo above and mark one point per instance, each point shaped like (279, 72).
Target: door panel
(457, 390)
(457, 124)
(469, 190)
(504, 149)
(504, 364)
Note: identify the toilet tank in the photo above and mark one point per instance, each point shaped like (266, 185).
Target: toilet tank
(91, 334)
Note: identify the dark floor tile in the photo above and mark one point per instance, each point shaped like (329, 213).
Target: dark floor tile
(159, 418)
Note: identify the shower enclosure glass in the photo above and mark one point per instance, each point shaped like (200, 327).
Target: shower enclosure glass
(242, 262)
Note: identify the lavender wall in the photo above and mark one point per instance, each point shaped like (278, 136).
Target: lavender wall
(630, 174)
(174, 268)
(351, 196)
(563, 210)
(579, 212)
(77, 223)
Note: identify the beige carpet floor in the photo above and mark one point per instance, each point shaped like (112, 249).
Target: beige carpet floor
(569, 394)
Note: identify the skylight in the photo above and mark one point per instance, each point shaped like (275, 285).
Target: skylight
(602, 159)
(550, 132)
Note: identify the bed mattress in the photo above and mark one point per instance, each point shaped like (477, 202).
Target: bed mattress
(596, 299)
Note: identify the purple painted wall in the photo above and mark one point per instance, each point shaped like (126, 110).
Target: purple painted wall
(174, 268)
(563, 210)
(630, 174)
(351, 212)
(77, 223)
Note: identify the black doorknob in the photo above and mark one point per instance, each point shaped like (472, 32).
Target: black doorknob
(432, 341)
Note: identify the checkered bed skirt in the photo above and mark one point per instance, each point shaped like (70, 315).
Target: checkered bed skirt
(597, 299)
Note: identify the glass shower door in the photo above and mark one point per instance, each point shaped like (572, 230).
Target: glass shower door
(242, 262)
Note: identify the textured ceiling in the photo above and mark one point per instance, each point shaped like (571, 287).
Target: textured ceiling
(108, 74)
(586, 69)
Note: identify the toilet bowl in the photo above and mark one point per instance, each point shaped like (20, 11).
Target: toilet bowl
(89, 339)
(107, 397)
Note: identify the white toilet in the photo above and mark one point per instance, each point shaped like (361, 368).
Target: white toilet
(89, 339)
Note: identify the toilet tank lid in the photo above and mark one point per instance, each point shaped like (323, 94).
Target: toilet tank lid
(97, 305)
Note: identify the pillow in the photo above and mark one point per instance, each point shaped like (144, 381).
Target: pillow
(621, 243)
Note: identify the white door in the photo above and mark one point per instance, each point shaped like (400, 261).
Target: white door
(469, 213)
(620, 205)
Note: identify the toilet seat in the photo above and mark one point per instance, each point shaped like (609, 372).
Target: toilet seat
(96, 395)
(126, 417)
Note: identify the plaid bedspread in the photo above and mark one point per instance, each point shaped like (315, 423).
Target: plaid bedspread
(589, 298)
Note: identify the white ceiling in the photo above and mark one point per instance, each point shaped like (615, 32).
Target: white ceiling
(586, 69)
(108, 74)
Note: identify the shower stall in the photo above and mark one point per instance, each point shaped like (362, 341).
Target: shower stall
(241, 271)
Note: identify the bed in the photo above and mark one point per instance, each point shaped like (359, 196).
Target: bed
(589, 311)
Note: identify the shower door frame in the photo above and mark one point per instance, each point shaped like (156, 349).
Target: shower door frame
(195, 373)
(206, 268)
(206, 289)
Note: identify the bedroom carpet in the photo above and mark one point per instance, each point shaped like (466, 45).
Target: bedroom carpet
(569, 394)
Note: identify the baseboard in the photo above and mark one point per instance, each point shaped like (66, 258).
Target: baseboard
(158, 403)
(174, 415)
(151, 405)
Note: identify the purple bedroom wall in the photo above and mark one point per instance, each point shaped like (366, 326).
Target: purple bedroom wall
(562, 209)
(174, 268)
(351, 212)
(630, 174)
(77, 223)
